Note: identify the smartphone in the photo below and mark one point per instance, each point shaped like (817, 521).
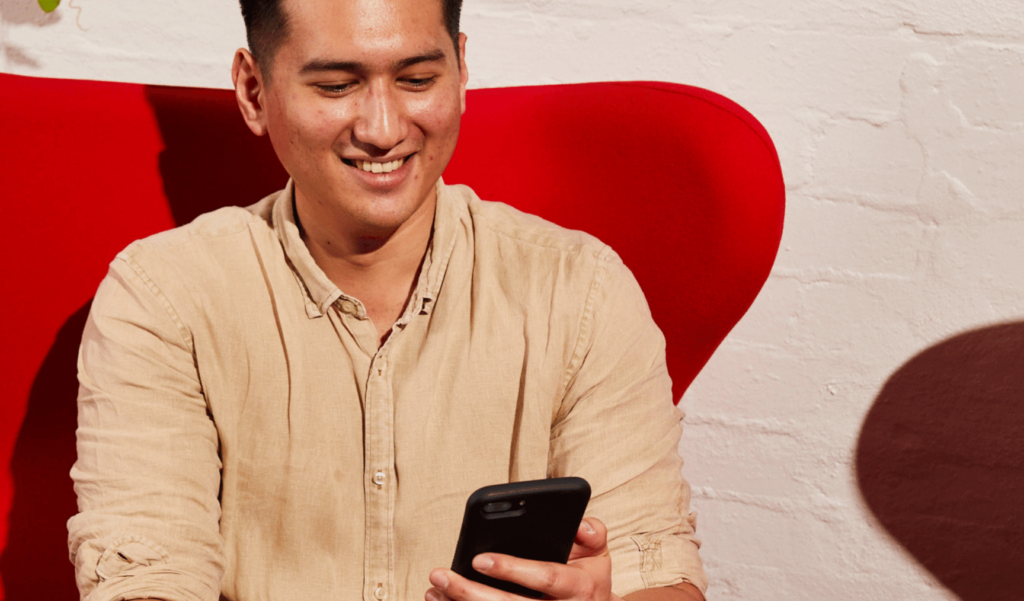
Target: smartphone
(536, 519)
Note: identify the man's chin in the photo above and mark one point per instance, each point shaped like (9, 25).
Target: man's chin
(383, 215)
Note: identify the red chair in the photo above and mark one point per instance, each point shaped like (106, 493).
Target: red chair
(684, 183)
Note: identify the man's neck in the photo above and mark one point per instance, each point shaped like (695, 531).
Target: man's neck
(379, 268)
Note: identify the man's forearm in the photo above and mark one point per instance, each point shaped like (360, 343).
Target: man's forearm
(683, 591)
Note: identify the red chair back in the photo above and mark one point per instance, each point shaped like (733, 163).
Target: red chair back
(683, 183)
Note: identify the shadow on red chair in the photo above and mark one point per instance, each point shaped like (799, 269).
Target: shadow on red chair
(35, 564)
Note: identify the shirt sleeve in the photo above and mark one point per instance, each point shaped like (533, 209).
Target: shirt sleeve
(148, 470)
(618, 428)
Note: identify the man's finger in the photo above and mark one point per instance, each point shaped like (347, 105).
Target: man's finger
(591, 539)
(457, 588)
(435, 594)
(555, 580)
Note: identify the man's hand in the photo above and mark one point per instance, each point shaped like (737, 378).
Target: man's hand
(587, 575)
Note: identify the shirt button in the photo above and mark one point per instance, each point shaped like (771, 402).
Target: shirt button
(348, 307)
(379, 479)
(379, 592)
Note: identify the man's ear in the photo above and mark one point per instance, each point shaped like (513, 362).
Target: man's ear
(463, 70)
(249, 91)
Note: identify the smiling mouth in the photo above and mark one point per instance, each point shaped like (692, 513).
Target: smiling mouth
(376, 166)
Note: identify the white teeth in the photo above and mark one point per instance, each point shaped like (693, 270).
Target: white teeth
(373, 167)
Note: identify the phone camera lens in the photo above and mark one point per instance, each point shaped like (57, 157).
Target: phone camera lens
(496, 507)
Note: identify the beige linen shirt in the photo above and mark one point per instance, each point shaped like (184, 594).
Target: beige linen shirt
(241, 433)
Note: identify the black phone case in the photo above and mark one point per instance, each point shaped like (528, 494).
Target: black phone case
(537, 519)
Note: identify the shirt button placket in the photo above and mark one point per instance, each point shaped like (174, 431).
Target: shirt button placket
(379, 455)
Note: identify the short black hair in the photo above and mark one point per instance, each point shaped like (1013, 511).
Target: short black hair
(266, 27)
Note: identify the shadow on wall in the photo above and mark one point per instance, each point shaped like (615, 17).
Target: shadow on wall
(940, 461)
(27, 12)
(23, 12)
(35, 563)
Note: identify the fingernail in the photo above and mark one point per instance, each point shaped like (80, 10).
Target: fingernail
(587, 527)
(482, 563)
(439, 579)
(433, 596)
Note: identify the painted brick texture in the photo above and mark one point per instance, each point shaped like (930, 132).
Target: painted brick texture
(900, 125)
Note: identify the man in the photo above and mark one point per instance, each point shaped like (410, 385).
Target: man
(294, 400)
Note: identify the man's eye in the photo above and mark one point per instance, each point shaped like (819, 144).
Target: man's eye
(333, 88)
(419, 82)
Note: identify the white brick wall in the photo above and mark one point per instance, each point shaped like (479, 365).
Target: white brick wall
(899, 124)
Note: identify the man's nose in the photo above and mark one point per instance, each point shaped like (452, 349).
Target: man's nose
(381, 121)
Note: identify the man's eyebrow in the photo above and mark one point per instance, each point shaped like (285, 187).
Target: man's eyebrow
(429, 57)
(321, 64)
(318, 65)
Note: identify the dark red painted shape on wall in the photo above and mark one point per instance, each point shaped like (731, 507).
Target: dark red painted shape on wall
(940, 461)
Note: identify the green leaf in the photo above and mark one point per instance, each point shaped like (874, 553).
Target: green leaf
(49, 5)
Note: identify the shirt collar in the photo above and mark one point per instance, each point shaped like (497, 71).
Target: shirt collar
(320, 292)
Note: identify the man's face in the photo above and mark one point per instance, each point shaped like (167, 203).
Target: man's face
(363, 108)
